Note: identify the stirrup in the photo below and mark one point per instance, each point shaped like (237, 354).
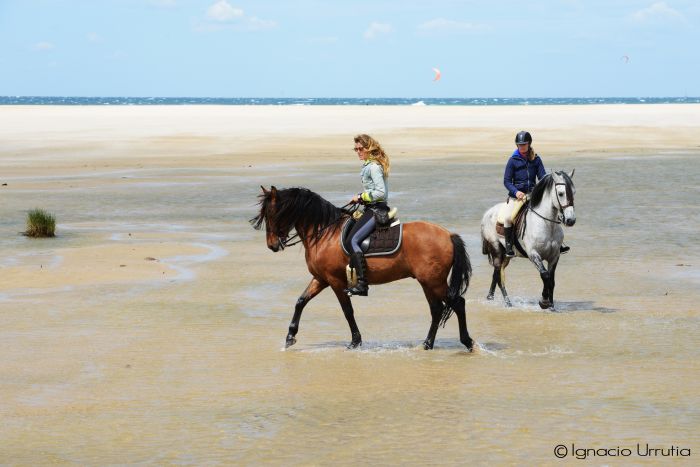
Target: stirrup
(360, 289)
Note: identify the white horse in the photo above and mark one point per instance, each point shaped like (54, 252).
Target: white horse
(540, 235)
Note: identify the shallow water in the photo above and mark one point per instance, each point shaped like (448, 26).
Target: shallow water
(193, 370)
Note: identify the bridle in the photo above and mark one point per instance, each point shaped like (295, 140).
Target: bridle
(561, 208)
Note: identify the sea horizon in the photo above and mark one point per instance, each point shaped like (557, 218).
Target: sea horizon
(413, 101)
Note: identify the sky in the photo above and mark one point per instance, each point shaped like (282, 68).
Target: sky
(364, 48)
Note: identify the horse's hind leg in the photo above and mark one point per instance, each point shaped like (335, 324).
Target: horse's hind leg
(494, 280)
(346, 305)
(502, 282)
(314, 288)
(436, 307)
(459, 307)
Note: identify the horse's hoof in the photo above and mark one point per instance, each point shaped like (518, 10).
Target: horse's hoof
(354, 345)
(489, 296)
(427, 345)
(469, 344)
(508, 304)
(544, 304)
(290, 342)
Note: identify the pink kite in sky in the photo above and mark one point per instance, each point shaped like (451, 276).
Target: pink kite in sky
(437, 74)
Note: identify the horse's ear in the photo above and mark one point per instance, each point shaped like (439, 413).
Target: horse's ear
(273, 191)
(571, 175)
(264, 190)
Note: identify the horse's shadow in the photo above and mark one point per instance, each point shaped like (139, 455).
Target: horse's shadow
(583, 305)
(393, 346)
(560, 306)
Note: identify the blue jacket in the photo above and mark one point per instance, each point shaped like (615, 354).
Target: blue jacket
(521, 174)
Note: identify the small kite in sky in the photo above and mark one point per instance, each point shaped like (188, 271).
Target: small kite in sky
(625, 59)
(437, 74)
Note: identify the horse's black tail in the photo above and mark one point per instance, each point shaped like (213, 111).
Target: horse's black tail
(459, 277)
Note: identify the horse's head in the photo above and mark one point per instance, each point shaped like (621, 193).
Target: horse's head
(564, 191)
(275, 234)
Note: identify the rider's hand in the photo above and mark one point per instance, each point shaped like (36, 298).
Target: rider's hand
(355, 199)
(520, 195)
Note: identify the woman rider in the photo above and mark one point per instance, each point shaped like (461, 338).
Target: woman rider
(374, 174)
(523, 169)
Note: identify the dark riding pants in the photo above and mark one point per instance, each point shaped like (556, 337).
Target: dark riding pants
(361, 230)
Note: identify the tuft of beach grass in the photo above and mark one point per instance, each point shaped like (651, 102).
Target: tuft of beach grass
(40, 224)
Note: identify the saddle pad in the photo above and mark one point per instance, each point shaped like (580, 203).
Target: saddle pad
(382, 242)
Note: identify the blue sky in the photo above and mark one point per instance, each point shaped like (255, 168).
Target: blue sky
(366, 48)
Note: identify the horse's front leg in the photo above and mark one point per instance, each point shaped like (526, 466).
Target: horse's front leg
(314, 288)
(346, 305)
(552, 270)
(545, 276)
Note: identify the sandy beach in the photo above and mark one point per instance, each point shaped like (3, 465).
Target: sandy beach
(151, 329)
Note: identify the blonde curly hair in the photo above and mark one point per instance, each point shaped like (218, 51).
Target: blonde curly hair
(374, 151)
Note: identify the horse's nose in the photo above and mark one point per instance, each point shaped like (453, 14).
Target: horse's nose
(274, 247)
(570, 222)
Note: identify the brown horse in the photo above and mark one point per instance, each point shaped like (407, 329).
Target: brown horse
(428, 252)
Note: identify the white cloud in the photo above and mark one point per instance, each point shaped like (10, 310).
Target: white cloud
(223, 16)
(377, 29)
(43, 46)
(257, 24)
(657, 12)
(223, 11)
(448, 26)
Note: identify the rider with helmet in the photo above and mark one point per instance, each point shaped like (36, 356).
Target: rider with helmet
(374, 174)
(523, 170)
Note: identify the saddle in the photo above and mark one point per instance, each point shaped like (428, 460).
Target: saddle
(384, 241)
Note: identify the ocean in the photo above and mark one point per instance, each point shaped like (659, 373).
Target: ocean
(418, 101)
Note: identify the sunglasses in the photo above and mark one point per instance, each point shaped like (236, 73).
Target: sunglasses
(357, 149)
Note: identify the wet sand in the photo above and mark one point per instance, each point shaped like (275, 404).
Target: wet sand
(151, 330)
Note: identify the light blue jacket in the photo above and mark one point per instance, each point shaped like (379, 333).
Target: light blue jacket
(375, 186)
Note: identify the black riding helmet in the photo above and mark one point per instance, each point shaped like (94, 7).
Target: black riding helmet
(523, 137)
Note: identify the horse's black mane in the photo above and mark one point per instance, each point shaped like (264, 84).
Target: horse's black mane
(545, 184)
(299, 208)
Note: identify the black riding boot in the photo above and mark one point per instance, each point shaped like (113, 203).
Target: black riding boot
(508, 237)
(358, 262)
(564, 248)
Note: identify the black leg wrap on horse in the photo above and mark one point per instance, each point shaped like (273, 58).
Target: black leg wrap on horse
(508, 237)
(359, 263)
